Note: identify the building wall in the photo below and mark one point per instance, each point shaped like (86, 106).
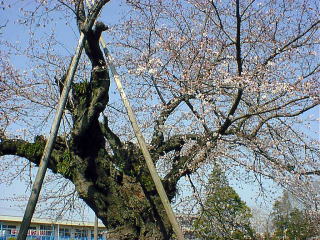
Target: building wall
(50, 231)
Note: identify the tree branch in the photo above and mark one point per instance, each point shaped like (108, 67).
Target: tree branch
(21, 148)
(227, 123)
(186, 164)
(157, 138)
(284, 47)
(198, 116)
(315, 172)
(278, 115)
(121, 154)
(176, 142)
(80, 13)
(277, 108)
(33, 151)
(220, 21)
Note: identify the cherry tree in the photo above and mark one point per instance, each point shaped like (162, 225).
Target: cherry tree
(210, 81)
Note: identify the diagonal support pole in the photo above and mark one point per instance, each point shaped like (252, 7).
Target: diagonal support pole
(36, 187)
(153, 172)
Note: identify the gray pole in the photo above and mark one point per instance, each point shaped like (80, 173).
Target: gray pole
(36, 188)
(58, 231)
(49, 145)
(95, 232)
(143, 146)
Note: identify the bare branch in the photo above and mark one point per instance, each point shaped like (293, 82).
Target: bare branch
(220, 21)
(227, 123)
(316, 172)
(176, 142)
(158, 137)
(114, 141)
(288, 44)
(198, 116)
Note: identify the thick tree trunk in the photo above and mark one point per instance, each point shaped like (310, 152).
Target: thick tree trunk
(128, 205)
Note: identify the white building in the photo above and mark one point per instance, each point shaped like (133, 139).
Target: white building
(46, 229)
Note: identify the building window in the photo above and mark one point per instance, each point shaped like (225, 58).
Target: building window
(80, 233)
(8, 230)
(64, 232)
(46, 230)
(100, 234)
(32, 231)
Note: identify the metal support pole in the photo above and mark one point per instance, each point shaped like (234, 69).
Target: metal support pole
(95, 231)
(36, 188)
(153, 172)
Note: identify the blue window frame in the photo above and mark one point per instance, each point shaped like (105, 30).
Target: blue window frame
(81, 234)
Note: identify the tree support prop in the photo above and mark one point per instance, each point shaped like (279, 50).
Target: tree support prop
(36, 188)
(155, 177)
